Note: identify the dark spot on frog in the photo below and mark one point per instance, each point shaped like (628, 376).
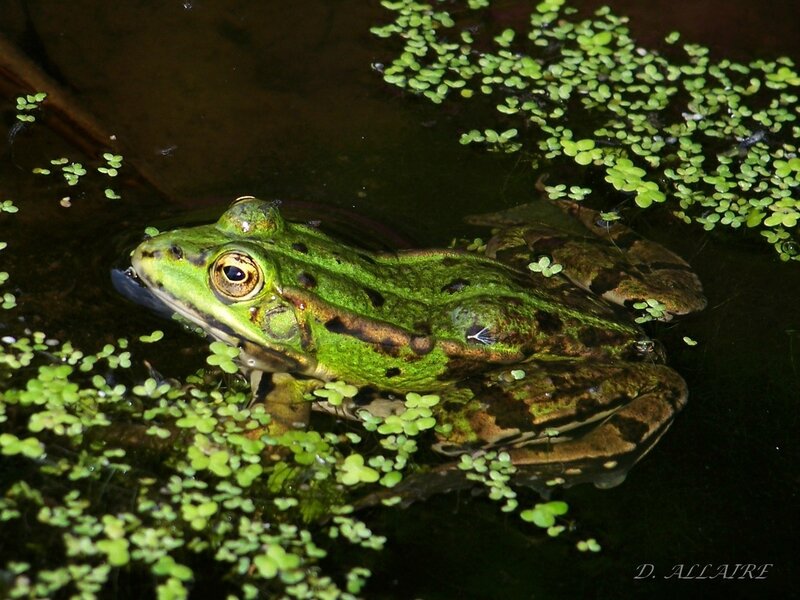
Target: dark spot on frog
(393, 372)
(389, 347)
(300, 247)
(423, 327)
(306, 280)
(516, 256)
(264, 386)
(176, 252)
(675, 396)
(587, 407)
(375, 297)
(455, 286)
(198, 260)
(365, 396)
(335, 325)
(508, 413)
(626, 240)
(452, 407)
(592, 337)
(632, 430)
(545, 245)
(605, 280)
(548, 322)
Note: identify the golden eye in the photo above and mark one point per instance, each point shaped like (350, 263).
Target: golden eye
(236, 276)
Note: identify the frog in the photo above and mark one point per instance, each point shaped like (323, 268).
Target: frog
(552, 370)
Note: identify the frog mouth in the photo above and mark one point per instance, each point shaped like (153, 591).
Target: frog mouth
(128, 283)
(253, 356)
(136, 288)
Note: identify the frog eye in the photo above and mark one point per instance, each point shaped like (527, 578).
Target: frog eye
(235, 276)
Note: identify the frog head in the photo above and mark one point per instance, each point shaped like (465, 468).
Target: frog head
(223, 278)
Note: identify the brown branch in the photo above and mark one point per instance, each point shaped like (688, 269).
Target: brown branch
(63, 114)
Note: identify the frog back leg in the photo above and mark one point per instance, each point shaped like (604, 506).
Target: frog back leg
(605, 454)
(568, 421)
(649, 270)
(614, 262)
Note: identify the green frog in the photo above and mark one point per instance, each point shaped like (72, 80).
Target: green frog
(549, 369)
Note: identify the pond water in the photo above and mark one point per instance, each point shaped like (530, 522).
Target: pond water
(279, 100)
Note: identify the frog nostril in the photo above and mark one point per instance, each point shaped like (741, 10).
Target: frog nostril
(176, 252)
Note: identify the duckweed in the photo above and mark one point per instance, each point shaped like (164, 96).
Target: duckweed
(8, 206)
(546, 266)
(653, 310)
(223, 355)
(493, 470)
(28, 104)
(334, 392)
(589, 545)
(156, 336)
(544, 515)
(714, 140)
(72, 172)
(353, 471)
(217, 494)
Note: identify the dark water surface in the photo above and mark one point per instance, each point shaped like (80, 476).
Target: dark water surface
(277, 99)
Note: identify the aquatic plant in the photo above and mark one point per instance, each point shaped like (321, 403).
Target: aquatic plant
(714, 139)
(151, 477)
(106, 474)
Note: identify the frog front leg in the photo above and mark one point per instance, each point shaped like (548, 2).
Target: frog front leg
(283, 396)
